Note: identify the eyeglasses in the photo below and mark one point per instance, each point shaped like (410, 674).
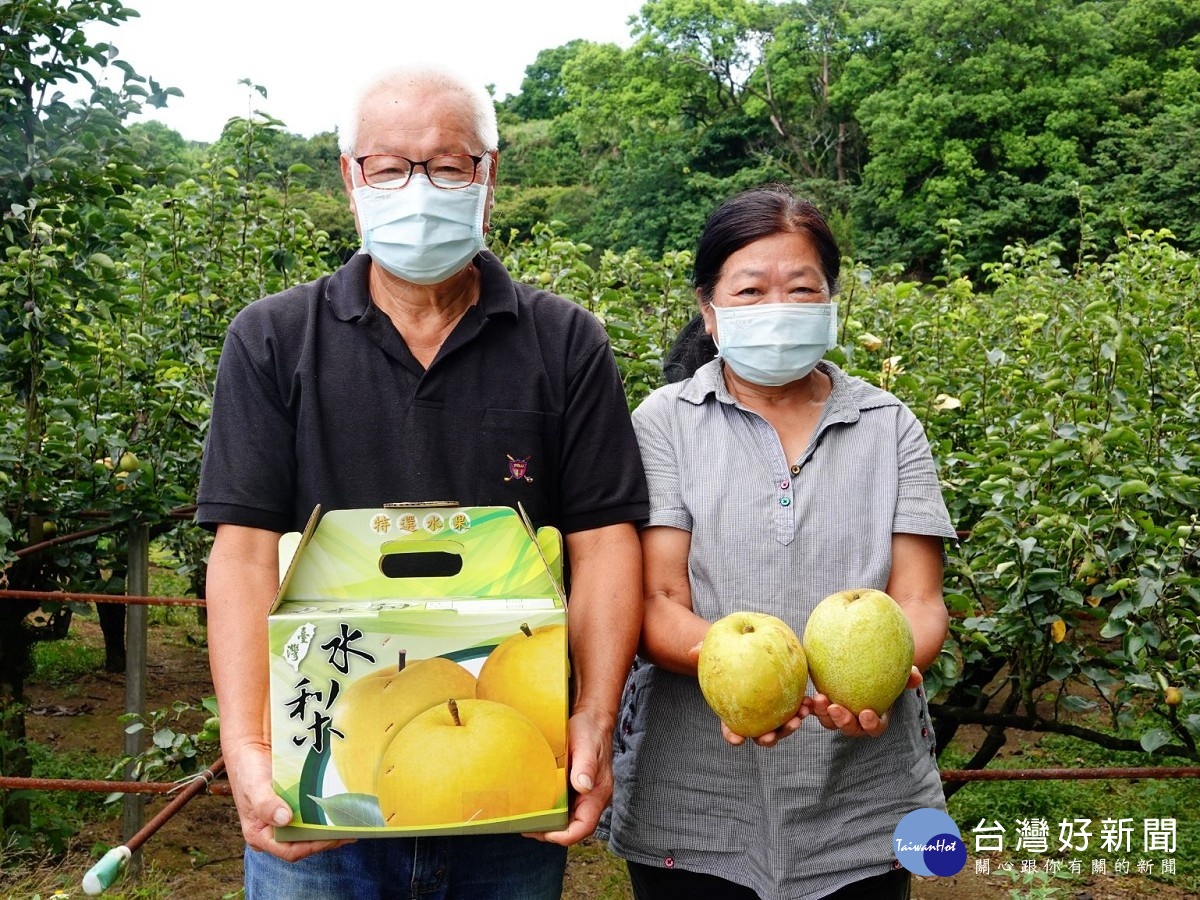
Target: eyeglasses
(450, 171)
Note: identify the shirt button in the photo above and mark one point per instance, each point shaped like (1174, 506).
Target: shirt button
(785, 501)
(795, 471)
(669, 862)
(784, 485)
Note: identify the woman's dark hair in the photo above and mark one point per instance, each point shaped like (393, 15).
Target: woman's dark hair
(758, 213)
(691, 349)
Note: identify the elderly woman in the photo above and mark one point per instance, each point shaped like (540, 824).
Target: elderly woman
(775, 480)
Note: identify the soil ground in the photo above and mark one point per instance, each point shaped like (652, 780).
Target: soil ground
(197, 854)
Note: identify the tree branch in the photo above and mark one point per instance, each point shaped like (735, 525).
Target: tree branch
(969, 716)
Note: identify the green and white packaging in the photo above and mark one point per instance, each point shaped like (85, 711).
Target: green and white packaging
(384, 719)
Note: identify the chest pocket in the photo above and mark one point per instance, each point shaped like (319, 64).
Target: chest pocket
(517, 452)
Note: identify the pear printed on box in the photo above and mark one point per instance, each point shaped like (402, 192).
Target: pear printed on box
(466, 761)
(376, 707)
(515, 673)
(419, 675)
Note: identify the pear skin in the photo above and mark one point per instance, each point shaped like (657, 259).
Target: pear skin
(375, 707)
(466, 761)
(860, 649)
(752, 672)
(528, 671)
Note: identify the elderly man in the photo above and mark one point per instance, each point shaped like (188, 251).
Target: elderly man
(419, 371)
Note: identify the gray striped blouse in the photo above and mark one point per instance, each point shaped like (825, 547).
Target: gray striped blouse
(818, 810)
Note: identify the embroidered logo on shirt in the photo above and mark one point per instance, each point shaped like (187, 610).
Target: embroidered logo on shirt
(517, 469)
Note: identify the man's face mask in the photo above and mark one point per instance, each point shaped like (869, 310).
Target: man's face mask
(421, 233)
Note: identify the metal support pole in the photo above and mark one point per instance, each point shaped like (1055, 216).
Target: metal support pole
(137, 583)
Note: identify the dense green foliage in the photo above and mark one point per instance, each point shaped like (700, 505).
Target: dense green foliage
(1063, 407)
(1021, 120)
(996, 148)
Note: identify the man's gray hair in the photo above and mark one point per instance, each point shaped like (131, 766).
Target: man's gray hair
(424, 79)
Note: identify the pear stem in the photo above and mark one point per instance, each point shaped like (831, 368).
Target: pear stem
(403, 661)
(453, 707)
(525, 628)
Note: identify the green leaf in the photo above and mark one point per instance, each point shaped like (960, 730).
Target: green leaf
(1132, 488)
(351, 810)
(1114, 628)
(1078, 704)
(1153, 739)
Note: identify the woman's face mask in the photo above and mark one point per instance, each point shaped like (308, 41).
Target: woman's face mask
(421, 233)
(773, 344)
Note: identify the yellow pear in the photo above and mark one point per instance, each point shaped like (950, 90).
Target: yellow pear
(466, 761)
(528, 671)
(752, 672)
(860, 649)
(373, 709)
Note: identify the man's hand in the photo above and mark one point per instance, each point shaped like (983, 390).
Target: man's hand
(260, 810)
(590, 776)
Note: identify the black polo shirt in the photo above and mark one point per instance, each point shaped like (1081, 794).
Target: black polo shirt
(319, 400)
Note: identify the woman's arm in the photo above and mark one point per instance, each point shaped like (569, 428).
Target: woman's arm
(916, 584)
(670, 630)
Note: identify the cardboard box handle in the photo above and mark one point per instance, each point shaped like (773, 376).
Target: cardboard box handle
(429, 559)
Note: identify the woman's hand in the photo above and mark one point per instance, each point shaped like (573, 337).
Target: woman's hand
(868, 723)
(771, 738)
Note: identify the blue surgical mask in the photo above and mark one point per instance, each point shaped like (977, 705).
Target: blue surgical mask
(421, 233)
(774, 344)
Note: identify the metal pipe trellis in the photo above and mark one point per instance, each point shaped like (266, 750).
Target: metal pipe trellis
(104, 872)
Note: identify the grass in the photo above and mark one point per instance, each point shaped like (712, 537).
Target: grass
(58, 878)
(55, 817)
(595, 874)
(64, 661)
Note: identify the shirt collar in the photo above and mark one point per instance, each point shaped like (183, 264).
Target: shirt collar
(850, 396)
(348, 297)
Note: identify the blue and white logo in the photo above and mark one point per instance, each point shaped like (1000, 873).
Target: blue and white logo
(927, 842)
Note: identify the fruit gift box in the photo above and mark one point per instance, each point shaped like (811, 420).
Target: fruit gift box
(419, 674)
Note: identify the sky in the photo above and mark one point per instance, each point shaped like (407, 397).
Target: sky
(310, 55)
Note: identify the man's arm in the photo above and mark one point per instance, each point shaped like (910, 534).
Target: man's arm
(604, 618)
(243, 578)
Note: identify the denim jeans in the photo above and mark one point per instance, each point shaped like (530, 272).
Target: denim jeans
(474, 867)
